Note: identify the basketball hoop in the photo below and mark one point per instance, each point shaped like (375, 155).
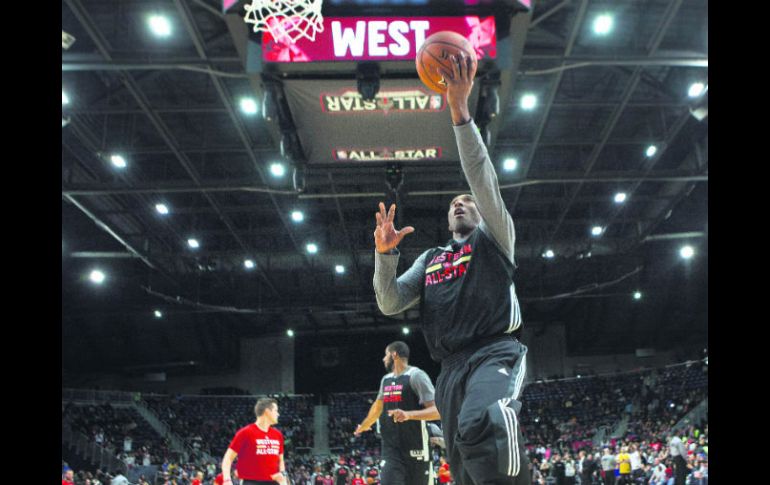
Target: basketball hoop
(286, 20)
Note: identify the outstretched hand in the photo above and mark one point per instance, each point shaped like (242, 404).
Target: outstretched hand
(386, 237)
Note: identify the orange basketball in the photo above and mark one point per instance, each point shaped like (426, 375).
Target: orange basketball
(435, 52)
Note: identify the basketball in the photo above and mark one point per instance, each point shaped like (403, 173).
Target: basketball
(435, 52)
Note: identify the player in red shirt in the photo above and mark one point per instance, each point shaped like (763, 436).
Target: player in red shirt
(198, 480)
(444, 476)
(259, 449)
(68, 478)
(358, 480)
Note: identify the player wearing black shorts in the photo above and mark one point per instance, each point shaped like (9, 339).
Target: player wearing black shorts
(469, 309)
(407, 395)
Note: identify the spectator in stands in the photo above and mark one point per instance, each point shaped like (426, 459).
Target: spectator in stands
(636, 463)
(569, 470)
(677, 452)
(119, 479)
(342, 473)
(557, 469)
(624, 466)
(358, 480)
(608, 467)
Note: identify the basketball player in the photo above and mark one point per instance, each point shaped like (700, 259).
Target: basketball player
(405, 447)
(469, 308)
(259, 448)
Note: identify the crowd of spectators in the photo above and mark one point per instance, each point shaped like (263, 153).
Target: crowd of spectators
(121, 430)
(634, 414)
(346, 410)
(208, 423)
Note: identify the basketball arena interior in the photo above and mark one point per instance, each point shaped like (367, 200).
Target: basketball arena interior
(219, 189)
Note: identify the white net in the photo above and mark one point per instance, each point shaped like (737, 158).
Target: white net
(286, 20)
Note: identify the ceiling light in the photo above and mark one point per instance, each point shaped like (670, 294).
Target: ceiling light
(160, 25)
(277, 169)
(311, 248)
(637, 295)
(290, 332)
(405, 330)
(339, 269)
(97, 276)
(687, 252)
(64, 98)
(620, 197)
(548, 254)
(158, 314)
(118, 161)
(528, 102)
(696, 89)
(603, 24)
(297, 216)
(651, 150)
(597, 230)
(193, 243)
(249, 106)
(249, 264)
(510, 164)
(161, 208)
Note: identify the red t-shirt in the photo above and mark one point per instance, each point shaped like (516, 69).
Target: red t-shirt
(219, 480)
(196, 482)
(258, 452)
(445, 478)
(65, 482)
(358, 481)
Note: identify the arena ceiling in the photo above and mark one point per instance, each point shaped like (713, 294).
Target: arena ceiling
(171, 107)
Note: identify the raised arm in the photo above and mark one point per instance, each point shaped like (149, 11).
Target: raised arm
(474, 158)
(394, 295)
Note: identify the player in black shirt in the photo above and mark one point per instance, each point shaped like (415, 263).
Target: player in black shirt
(342, 473)
(469, 309)
(407, 395)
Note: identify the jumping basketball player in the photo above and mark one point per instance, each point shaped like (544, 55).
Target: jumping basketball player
(407, 394)
(469, 309)
(259, 449)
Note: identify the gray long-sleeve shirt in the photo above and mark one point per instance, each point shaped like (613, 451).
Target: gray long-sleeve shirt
(396, 294)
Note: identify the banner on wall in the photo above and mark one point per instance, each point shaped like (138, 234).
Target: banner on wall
(404, 122)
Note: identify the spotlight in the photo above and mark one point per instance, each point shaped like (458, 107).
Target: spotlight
(687, 252)
(510, 164)
(339, 269)
(311, 248)
(637, 295)
(651, 151)
(249, 106)
(97, 276)
(528, 102)
(597, 230)
(603, 24)
(696, 89)
(158, 314)
(277, 169)
(290, 332)
(249, 264)
(297, 216)
(118, 161)
(193, 243)
(160, 25)
(405, 330)
(161, 208)
(620, 197)
(548, 254)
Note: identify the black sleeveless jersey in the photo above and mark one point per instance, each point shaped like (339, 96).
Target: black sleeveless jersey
(341, 475)
(467, 295)
(410, 438)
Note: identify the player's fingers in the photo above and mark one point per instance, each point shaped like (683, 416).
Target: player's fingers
(378, 218)
(407, 230)
(382, 210)
(392, 213)
(461, 66)
(455, 71)
(471, 68)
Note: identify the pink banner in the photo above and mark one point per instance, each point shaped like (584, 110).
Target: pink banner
(377, 38)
